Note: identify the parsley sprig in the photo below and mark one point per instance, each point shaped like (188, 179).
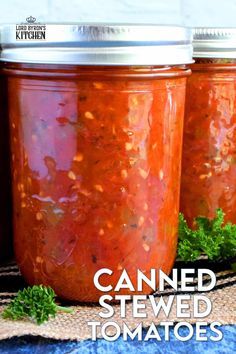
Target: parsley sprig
(212, 238)
(36, 303)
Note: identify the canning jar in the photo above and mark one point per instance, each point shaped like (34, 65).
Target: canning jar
(209, 148)
(96, 137)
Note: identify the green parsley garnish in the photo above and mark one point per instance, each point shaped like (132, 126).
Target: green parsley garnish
(36, 303)
(212, 238)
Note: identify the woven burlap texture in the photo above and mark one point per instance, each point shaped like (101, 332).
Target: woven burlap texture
(74, 326)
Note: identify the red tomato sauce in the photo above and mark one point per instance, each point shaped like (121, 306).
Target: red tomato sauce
(96, 172)
(209, 149)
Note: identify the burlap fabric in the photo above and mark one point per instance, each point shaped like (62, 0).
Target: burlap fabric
(75, 326)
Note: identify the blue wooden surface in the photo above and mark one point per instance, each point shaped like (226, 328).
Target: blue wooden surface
(38, 345)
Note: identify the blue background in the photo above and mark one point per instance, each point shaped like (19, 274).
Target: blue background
(38, 345)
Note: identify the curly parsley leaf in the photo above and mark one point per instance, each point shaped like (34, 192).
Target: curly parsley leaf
(211, 237)
(36, 303)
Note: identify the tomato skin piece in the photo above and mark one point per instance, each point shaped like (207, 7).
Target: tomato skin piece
(209, 147)
(97, 172)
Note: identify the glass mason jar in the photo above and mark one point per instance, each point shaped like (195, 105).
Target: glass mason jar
(96, 137)
(209, 148)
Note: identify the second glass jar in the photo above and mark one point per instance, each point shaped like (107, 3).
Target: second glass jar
(209, 149)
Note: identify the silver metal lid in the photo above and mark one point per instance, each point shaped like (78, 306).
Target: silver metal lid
(97, 44)
(214, 42)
